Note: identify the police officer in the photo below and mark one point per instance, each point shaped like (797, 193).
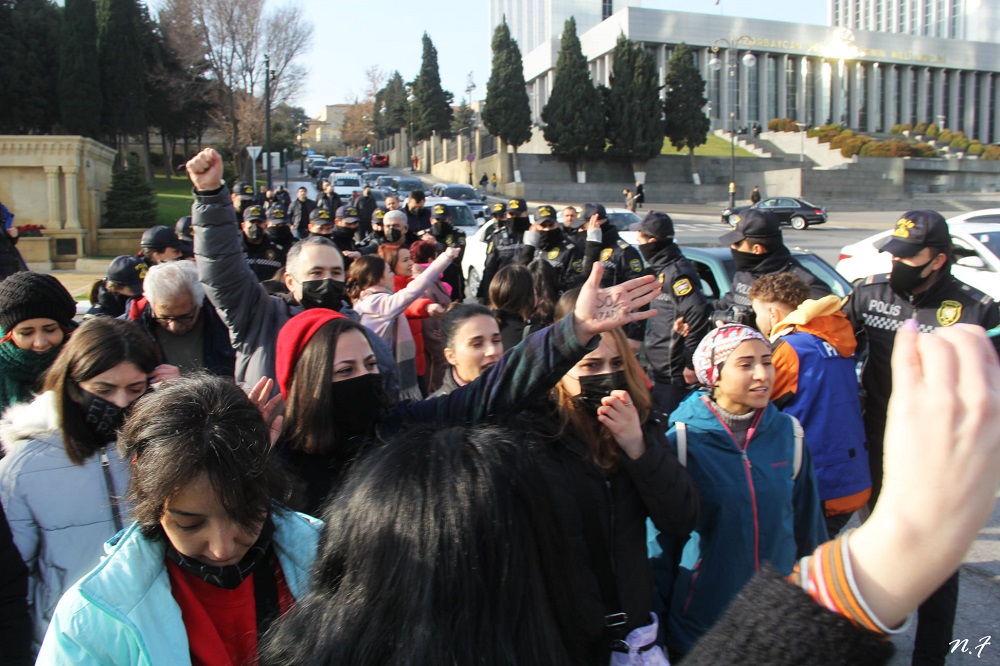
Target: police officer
(263, 256)
(279, 230)
(160, 243)
(345, 226)
(377, 235)
(547, 241)
(668, 353)
(446, 235)
(321, 223)
(921, 287)
(504, 245)
(418, 218)
(242, 197)
(758, 249)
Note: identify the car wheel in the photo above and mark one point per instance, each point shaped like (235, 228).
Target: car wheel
(799, 223)
(472, 284)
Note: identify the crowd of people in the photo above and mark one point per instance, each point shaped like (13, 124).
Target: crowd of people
(286, 434)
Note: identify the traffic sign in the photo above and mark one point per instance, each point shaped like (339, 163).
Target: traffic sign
(254, 151)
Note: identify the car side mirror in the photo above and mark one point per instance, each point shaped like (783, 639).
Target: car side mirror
(972, 261)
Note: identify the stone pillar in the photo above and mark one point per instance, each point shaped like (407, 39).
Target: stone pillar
(72, 198)
(727, 103)
(872, 98)
(969, 121)
(782, 111)
(954, 112)
(55, 200)
(984, 127)
(905, 85)
(937, 77)
(853, 85)
(838, 103)
(890, 75)
(800, 94)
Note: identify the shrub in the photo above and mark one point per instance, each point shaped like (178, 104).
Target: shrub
(991, 153)
(896, 129)
(829, 136)
(933, 131)
(906, 128)
(891, 148)
(923, 150)
(975, 148)
(852, 146)
(945, 136)
(792, 125)
(960, 142)
(131, 201)
(920, 128)
(772, 124)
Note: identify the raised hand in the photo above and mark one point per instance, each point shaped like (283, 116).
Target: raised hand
(620, 417)
(599, 310)
(269, 408)
(205, 170)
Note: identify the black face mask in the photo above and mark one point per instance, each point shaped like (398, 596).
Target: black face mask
(905, 278)
(595, 387)
(326, 236)
(255, 233)
(103, 418)
(356, 404)
(520, 224)
(328, 293)
(440, 228)
(747, 261)
(548, 238)
(281, 234)
(651, 249)
(393, 235)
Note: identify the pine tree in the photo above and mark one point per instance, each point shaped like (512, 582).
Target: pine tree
(686, 122)
(122, 67)
(131, 201)
(392, 98)
(507, 113)
(573, 116)
(79, 74)
(29, 31)
(432, 107)
(634, 111)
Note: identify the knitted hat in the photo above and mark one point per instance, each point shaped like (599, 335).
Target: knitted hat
(715, 348)
(30, 295)
(292, 339)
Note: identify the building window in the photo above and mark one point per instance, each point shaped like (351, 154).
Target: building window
(913, 120)
(857, 14)
(753, 93)
(791, 89)
(879, 25)
(914, 16)
(928, 17)
(861, 95)
(809, 81)
(772, 87)
(607, 8)
(946, 102)
(956, 17)
(900, 17)
(836, 13)
(879, 103)
(939, 25)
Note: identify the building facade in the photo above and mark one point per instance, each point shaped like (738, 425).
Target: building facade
(974, 20)
(865, 80)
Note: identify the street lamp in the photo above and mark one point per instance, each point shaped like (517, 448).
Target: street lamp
(941, 120)
(267, 118)
(715, 64)
(802, 141)
(410, 99)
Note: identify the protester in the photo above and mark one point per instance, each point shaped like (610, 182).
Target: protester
(325, 360)
(109, 297)
(36, 319)
(546, 291)
(418, 218)
(159, 244)
(472, 343)
(483, 182)
(758, 249)
(669, 354)
(370, 284)
(10, 259)
(366, 206)
(755, 477)
(212, 558)
(61, 441)
(299, 212)
(423, 253)
(816, 381)
(512, 299)
(181, 322)
(15, 622)
(314, 277)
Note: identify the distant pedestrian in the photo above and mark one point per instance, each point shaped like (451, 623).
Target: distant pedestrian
(484, 182)
(640, 194)
(629, 199)
(494, 182)
(755, 195)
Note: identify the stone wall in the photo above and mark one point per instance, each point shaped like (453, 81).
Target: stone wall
(57, 182)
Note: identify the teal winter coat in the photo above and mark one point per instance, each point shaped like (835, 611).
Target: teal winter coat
(123, 612)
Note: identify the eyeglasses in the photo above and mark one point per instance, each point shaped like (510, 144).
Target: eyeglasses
(180, 319)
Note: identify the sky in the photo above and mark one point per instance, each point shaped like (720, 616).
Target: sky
(350, 37)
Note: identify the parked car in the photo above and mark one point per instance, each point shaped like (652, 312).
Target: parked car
(371, 177)
(345, 184)
(799, 213)
(975, 238)
(316, 166)
(323, 176)
(466, 193)
(378, 160)
(386, 183)
(404, 186)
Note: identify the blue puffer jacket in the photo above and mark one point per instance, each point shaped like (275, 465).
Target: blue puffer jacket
(123, 612)
(753, 511)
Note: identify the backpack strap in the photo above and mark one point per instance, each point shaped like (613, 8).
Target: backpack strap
(682, 442)
(797, 454)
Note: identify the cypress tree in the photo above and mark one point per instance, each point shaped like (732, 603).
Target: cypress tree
(507, 113)
(634, 111)
(432, 108)
(131, 201)
(79, 74)
(29, 30)
(122, 69)
(392, 98)
(686, 122)
(573, 116)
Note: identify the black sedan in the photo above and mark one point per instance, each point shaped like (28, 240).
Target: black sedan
(799, 213)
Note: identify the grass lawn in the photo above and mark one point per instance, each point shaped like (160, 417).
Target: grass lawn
(715, 147)
(173, 199)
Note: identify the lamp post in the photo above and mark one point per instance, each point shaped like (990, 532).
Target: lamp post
(941, 120)
(267, 118)
(410, 99)
(715, 64)
(802, 141)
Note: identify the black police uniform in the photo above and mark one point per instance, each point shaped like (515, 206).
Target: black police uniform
(669, 353)
(561, 253)
(446, 235)
(265, 258)
(735, 307)
(504, 247)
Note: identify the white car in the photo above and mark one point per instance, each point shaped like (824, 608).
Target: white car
(975, 238)
(345, 184)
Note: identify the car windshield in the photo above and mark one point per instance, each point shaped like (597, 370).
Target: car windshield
(462, 193)
(409, 184)
(624, 221)
(461, 216)
(347, 181)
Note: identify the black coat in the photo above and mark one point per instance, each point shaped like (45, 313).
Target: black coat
(15, 623)
(10, 259)
(594, 508)
(218, 354)
(299, 213)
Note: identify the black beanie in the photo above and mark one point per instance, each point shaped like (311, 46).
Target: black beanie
(30, 295)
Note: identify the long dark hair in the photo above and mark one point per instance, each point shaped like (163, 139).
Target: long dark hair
(512, 292)
(434, 552)
(546, 280)
(97, 346)
(458, 314)
(309, 410)
(366, 271)
(193, 425)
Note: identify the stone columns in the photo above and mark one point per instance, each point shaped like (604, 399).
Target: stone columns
(72, 198)
(55, 201)
(984, 127)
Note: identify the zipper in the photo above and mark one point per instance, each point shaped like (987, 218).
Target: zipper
(109, 483)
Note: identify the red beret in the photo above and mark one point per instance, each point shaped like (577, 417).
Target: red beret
(292, 339)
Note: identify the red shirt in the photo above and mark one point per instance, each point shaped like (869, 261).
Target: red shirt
(221, 624)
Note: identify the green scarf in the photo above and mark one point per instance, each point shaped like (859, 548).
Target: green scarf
(20, 370)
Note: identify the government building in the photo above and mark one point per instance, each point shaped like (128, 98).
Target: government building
(878, 64)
